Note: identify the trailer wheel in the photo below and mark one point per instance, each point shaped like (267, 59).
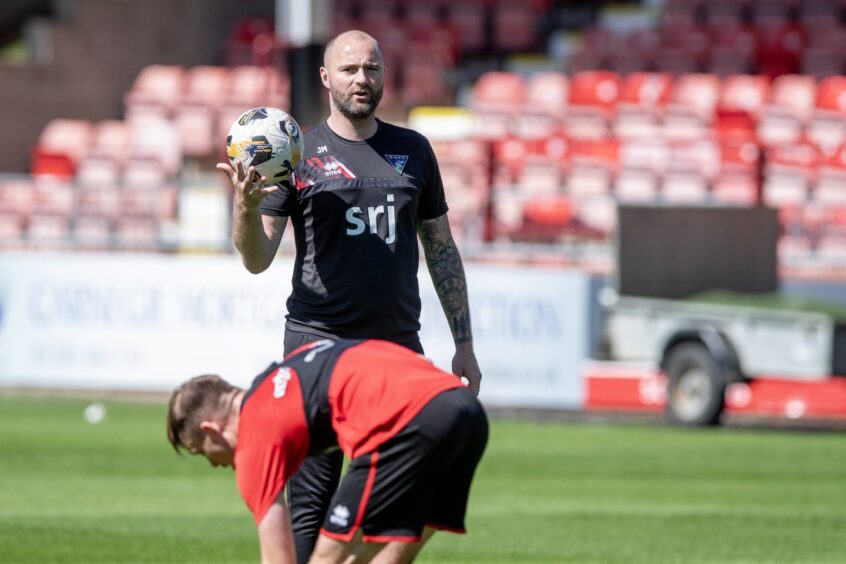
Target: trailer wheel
(696, 387)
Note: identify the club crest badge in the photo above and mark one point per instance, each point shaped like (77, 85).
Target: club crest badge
(398, 161)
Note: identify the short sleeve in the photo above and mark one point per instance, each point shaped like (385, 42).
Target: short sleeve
(432, 200)
(281, 202)
(261, 473)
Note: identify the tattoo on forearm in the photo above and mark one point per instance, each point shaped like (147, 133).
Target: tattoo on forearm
(447, 273)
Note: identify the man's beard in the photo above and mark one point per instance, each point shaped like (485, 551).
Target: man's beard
(355, 110)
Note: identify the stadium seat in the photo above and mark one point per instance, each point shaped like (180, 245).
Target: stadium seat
(98, 201)
(496, 98)
(683, 49)
(424, 69)
(48, 231)
(238, 46)
(593, 102)
(468, 18)
(640, 110)
(158, 140)
(53, 196)
(17, 197)
(830, 187)
(827, 126)
(92, 232)
(597, 216)
(813, 13)
(544, 220)
(732, 50)
(47, 163)
(783, 117)
(642, 163)
(743, 93)
(60, 146)
(690, 112)
(682, 12)
(197, 128)
(11, 231)
(691, 167)
(779, 48)
(592, 169)
(789, 173)
(735, 188)
(636, 185)
(821, 62)
(137, 233)
(545, 106)
(725, 12)
(111, 140)
(96, 170)
(739, 105)
(514, 26)
(206, 85)
(158, 87)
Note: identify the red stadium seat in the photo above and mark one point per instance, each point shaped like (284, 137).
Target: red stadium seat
(156, 86)
(17, 197)
(545, 105)
(514, 26)
(725, 12)
(789, 173)
(206, 85)
(643, 98)
(111, 140)
(779, 48)
(137, 233)
(11, 231)
(468, 19)
(690, 112)
(593, 166)
(682, 12)
(732, 49)
(48, 231)
(593, 101)
(92, 232)
(97, 170)
(791, 103)
(741, 99)
(197, 129)
(496, 98)
(830, 187)
(60, 146)
(822, 61)
(827, 126)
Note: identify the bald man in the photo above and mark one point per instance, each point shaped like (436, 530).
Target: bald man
(363, 193)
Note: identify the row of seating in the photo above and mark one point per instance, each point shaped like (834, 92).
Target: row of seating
(604, 104)
(49, 212)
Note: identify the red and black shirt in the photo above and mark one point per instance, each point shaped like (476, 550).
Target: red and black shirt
(349, 394)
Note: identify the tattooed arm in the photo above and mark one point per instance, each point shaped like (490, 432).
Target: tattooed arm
(447, 273)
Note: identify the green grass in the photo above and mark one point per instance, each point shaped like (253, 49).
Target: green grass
(116, 492)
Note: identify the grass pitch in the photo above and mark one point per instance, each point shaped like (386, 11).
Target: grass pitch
(115, 492)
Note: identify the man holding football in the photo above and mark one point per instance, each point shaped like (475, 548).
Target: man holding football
(413, 433)
(362, 194)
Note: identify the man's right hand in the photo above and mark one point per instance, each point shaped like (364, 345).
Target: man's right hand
(248, 186)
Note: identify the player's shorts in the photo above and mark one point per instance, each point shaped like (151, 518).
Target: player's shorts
(420, 477)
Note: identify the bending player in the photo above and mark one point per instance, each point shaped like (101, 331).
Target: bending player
(413, 433)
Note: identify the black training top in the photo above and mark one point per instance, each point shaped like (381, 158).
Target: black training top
(355, 206)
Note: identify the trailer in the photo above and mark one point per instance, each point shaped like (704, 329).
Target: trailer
(702, 348)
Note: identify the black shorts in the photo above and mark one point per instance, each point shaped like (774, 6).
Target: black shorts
(420, 477)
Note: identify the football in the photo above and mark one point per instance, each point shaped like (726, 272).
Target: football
(268, 139)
